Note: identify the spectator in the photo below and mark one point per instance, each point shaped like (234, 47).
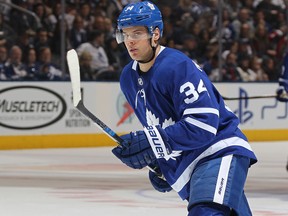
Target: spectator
(233, 48)
(270, 10)
(210, 66)
(42, 39)
(269, 67)
(278, 42)
(48, 70)
(244, 17)
(259, 26)
(69, 15)
(261, 43)
(21, 21)
(99, 23)
(56, 43)
(7, 34)
(246, 33)
(256, 67)
(25, 42)
(110, 7)
(86, 72)
(244, 49)
(3, 58)
(259, 18)
(247, 75)
(230, 72)
(233, 6)
(109, 29)
(32, 65)
(86, 14)
(169, 33)
(202, 44)
(50, 20)
(39, 10)
(227, 31)
(14, 67)
(5, 10)
(94, 46)
(190, 47)
(117, 55)
(77, 34)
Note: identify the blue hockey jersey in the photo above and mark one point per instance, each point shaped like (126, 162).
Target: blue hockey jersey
(176, 95)
(284, 73)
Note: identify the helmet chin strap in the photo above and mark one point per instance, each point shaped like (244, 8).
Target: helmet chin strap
(153, 54)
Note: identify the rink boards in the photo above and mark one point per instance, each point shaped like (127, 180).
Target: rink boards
(41, 114)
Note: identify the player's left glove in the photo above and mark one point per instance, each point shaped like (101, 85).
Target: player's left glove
(282, 90)
(158, 182)
(135, 151)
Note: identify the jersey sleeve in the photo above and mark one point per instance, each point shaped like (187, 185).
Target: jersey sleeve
(197, 106)
(284, 74)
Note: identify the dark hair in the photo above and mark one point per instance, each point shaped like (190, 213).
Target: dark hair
(94, 34)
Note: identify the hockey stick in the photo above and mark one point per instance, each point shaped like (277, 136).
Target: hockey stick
(249, 97)
(74, 70)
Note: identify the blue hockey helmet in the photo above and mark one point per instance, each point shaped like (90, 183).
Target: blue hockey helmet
(140, 14)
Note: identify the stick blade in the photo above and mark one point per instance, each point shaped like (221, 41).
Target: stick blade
(74, 70)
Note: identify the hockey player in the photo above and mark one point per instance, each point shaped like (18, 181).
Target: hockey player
(189, 134)
(282, 90)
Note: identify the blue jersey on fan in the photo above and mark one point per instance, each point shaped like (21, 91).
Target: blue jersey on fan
(177, 95)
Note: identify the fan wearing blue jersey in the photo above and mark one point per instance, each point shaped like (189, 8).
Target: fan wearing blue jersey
(282, 90)
(190, 136)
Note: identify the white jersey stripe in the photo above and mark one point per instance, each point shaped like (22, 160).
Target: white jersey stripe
(201, 110)
(201, 125)
(222, 179)
(186, 175)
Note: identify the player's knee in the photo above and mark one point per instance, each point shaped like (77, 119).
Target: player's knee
(211, 209)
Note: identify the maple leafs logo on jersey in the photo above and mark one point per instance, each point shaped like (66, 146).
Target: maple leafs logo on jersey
(173, 155)
(153, 120)
(167, 123)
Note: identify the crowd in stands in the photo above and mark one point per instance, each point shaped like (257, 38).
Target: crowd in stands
(253, 38)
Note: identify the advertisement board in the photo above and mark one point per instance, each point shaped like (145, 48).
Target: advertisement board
(41, 114)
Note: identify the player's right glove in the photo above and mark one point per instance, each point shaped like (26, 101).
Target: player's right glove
(160, 184)
(282, 90)
(135, 151)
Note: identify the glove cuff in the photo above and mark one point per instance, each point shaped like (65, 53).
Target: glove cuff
(156, 142)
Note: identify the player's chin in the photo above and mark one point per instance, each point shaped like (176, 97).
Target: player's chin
(135, 58)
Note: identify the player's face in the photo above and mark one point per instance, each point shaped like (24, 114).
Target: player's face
(137, 41)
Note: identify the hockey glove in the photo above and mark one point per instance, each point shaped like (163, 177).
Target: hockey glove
(282, 90)
(160, 184)
(135, 151)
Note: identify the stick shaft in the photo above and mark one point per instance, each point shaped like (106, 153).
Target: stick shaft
(98, 122)
(249, 97)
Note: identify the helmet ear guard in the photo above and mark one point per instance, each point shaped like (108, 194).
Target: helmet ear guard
(119, 36)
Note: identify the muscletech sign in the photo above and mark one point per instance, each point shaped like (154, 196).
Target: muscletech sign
(30, 107)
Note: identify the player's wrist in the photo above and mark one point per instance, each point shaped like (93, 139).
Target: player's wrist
(158, 141)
